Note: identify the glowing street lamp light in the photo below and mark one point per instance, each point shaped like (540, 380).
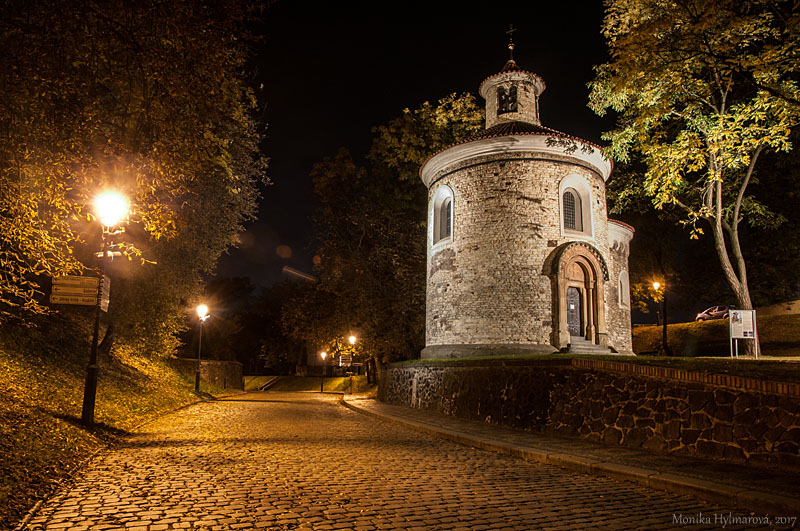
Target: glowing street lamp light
(322, 354)
(352, 340)
(202, 313)
(110, 208)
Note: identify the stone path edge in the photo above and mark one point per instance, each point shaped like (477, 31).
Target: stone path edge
(63, 482)
(743, 498)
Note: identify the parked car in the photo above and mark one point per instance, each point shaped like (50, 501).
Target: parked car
(715, 312)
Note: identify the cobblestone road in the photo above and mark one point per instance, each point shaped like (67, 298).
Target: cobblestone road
(297, 461)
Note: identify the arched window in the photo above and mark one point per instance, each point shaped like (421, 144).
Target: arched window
(506, 99)
(575, 198)
(442, 222)
(573, 213)
(624, 287)
(446, 218)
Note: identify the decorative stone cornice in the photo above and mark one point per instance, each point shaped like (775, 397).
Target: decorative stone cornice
(512, 75)
(540, 145)
(619, 232)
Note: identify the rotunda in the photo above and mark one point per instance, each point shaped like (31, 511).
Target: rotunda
(522, 257)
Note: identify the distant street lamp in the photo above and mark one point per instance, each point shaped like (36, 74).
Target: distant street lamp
(352, 340)
(202, 313)
(664, 345)
(322, 378)
(110, 208)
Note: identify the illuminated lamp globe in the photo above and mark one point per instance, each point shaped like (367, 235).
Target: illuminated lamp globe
(656, 285)
(352, 340)
(202, 311)
(323, 354)
(110, 208)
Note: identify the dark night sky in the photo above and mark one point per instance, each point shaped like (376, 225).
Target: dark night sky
(334, 70)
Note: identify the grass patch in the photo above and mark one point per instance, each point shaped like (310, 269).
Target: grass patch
(779, 336)
(43, 371)
(779, 369)
(339, 384)
(252, 383)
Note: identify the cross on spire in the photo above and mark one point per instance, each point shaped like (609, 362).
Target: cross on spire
(510, 33)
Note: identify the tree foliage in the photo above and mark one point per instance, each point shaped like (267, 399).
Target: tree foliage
(146, 97)
(370, 224)
(702, 88)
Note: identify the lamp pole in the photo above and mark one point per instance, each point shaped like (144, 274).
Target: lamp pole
(352, 340)
(664, 344)
(110, 208)
(90, 386)
(202, 313)
(322, 378)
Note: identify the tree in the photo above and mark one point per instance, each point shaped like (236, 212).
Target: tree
(148, 97)
(370, 228)
(703, 88)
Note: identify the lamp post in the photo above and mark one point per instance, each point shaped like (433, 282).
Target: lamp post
(202, 313)
(322, 378)
(352, 340)
(110, 208)
(664, 345)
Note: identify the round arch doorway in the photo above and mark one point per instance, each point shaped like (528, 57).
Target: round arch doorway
(579, 276)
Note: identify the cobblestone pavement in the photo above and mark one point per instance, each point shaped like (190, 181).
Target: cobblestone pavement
(303, 461)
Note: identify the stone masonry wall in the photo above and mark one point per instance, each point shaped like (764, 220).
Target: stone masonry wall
(672, 415)
(528, 90)
(487, 285)
(618, 316)
(223, 374)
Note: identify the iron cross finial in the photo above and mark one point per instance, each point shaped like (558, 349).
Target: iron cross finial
(510, 33)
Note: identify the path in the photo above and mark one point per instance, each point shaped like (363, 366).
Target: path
(303, 461)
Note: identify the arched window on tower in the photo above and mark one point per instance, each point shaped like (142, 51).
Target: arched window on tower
(442, 222)
(573, 211)
(506, 99)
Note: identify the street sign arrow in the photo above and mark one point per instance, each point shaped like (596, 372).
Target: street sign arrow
(81, 300)
(73, 289)
(71, 280)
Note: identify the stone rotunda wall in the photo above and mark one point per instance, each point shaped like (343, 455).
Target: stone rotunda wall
(487, 286)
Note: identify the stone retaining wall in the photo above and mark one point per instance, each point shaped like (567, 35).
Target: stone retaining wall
(223, 374)
(611, 405)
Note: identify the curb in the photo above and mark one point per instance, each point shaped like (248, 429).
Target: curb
(720, 493)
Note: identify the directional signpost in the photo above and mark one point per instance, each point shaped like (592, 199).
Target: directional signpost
(105, 293)
(75, 290)
(82, 291)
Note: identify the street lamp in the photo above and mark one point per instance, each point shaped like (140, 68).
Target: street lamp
(664, 344)
(109, 207)
(322, 378)
(352, 340)
(202, 313)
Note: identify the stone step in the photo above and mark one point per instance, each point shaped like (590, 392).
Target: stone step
(582, 346)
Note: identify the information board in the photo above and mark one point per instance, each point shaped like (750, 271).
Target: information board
(742, 324)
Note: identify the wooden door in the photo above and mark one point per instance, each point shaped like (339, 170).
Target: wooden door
(574, 312)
